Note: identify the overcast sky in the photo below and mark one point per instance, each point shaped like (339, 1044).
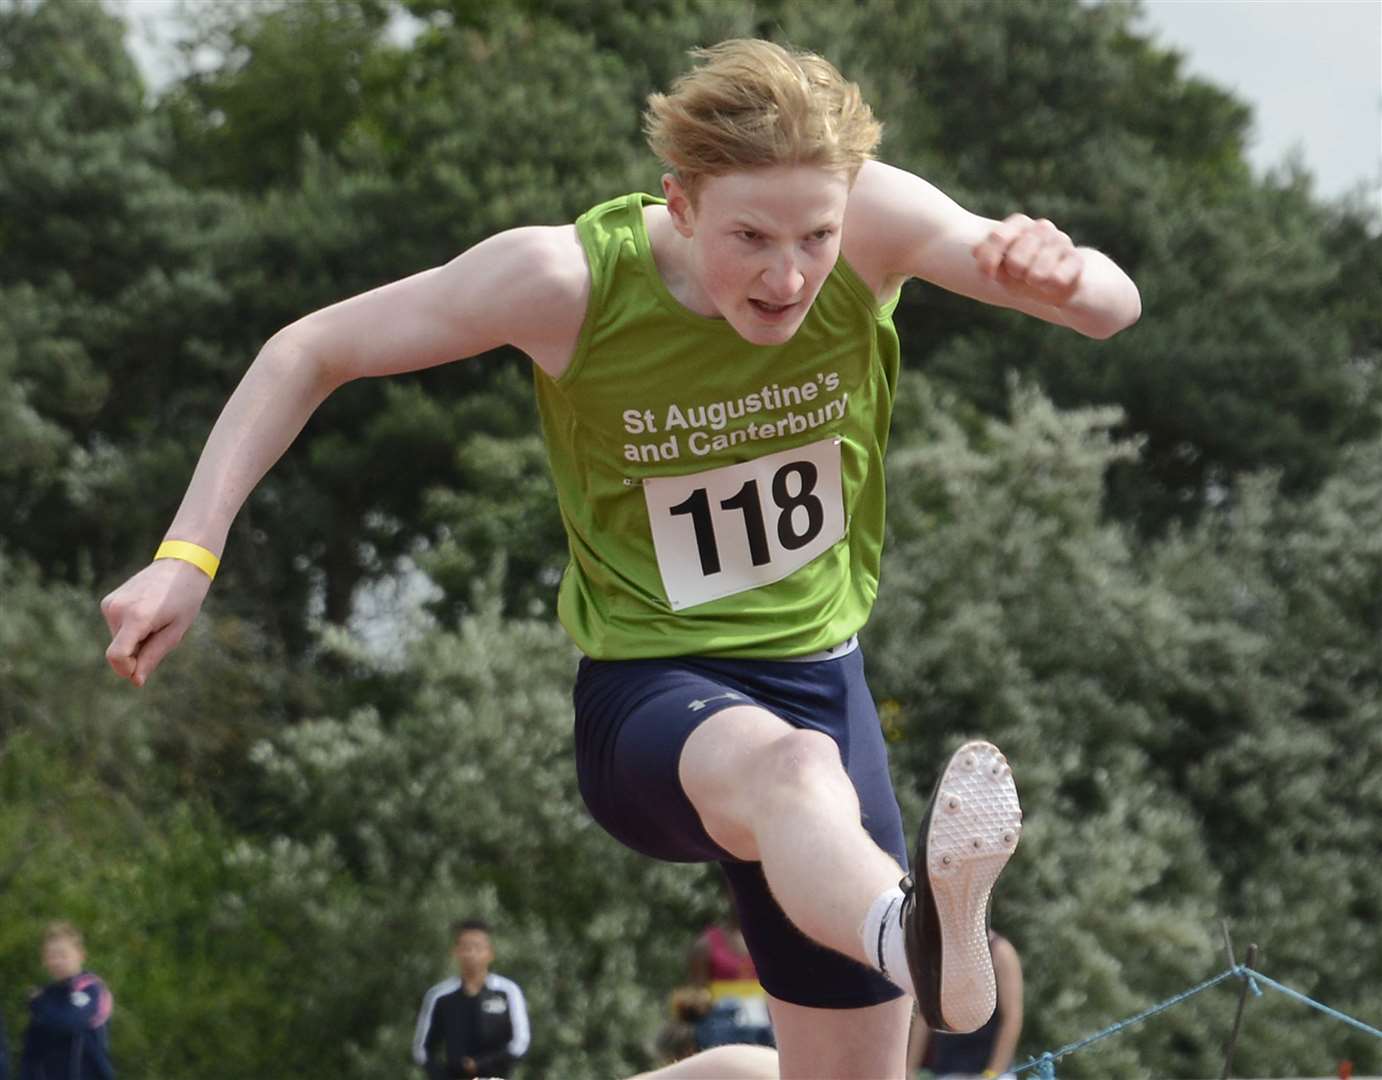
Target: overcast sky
(1311, 70)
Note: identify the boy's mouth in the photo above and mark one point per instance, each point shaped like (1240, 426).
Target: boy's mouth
(770, 310)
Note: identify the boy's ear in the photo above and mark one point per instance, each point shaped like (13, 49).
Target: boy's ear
(678, 204)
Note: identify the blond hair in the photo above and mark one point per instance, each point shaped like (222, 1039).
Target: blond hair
(61, 929)
(753, 104)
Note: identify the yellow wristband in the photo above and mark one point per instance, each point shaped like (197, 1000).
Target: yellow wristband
(195, 554)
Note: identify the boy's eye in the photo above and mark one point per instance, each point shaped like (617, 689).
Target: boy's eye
(820, 235)
(748, 234)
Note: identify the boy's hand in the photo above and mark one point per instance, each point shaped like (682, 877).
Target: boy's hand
(1032, 256)
(149, 614)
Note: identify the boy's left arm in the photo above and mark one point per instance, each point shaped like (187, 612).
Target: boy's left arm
(899, 226)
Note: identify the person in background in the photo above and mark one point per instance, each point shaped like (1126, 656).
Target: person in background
(68, 1037)
(474, 1024)
(985, 1053)
(677, 1039)
(721, 955)
(720, 964)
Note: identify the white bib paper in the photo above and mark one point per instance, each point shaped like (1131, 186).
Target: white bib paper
(727, 530)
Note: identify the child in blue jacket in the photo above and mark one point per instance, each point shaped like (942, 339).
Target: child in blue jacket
(69, 1019)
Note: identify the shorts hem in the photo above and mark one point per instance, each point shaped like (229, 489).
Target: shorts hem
(854, 1001)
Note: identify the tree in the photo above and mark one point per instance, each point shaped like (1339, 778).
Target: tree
(101, 274)
(1173, 716)
(105, 821)
(289, 77)
(1287, 745)
(1009, 609)
(464, 801)
(1245, 358)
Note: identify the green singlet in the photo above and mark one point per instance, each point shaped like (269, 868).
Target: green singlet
(720, 498)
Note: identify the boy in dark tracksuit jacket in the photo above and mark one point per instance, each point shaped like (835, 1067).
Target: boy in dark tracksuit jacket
(68, 1037)
(475, 1025)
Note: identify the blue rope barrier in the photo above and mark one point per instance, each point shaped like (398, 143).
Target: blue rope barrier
(1304, 1000)
(1049, 1058)
(1045, 1064)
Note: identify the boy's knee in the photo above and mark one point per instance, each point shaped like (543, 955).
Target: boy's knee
(801, 760)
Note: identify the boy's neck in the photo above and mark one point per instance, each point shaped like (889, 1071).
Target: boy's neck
(671, 253)
(474, 983)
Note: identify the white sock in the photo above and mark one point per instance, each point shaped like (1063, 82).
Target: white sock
(883, 940)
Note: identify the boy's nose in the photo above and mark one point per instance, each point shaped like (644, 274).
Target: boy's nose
(783, 281)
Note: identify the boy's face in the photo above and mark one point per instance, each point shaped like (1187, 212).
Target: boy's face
(473, 953)
(762, 244)
(62, 958)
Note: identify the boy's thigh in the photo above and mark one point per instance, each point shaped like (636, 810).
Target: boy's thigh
(633, 719)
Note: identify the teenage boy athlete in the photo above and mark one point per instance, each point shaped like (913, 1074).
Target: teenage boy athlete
(715, 374)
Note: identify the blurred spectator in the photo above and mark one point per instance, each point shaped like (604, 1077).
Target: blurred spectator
(68, 1037)
(737, 1011)
(474, 1025)
(720, 954)
(987, 1052)
(676, 1039)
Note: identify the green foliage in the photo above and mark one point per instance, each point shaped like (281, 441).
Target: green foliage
(138, 885)
(290, 76)
(1009, 609)
(465, 802)
(504, 502)
(1193, 727)
(1248, 353)
(1287, 761)
(343, 160)
(97, 827)
(102, 282)
(74, 52)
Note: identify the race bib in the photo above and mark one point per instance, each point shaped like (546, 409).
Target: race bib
(728, 530)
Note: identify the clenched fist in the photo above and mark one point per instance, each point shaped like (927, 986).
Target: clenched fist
(149, 614)
(1032, 256)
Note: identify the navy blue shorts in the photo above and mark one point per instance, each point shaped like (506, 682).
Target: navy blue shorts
(632, 719)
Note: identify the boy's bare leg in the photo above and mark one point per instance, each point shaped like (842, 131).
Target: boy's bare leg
(842, 1044)
(814, 1044)
(779, 795)
(721, 1063)
(769, 792)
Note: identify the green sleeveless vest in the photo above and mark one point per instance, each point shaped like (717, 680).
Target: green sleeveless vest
(720, 498)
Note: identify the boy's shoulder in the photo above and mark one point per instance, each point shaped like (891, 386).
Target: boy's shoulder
(551, 254)
(555, 283)
(891, 214)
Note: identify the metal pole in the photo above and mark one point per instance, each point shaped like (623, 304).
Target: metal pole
(1242, 1000)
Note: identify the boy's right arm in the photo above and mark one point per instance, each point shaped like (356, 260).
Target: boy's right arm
(526, 288)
